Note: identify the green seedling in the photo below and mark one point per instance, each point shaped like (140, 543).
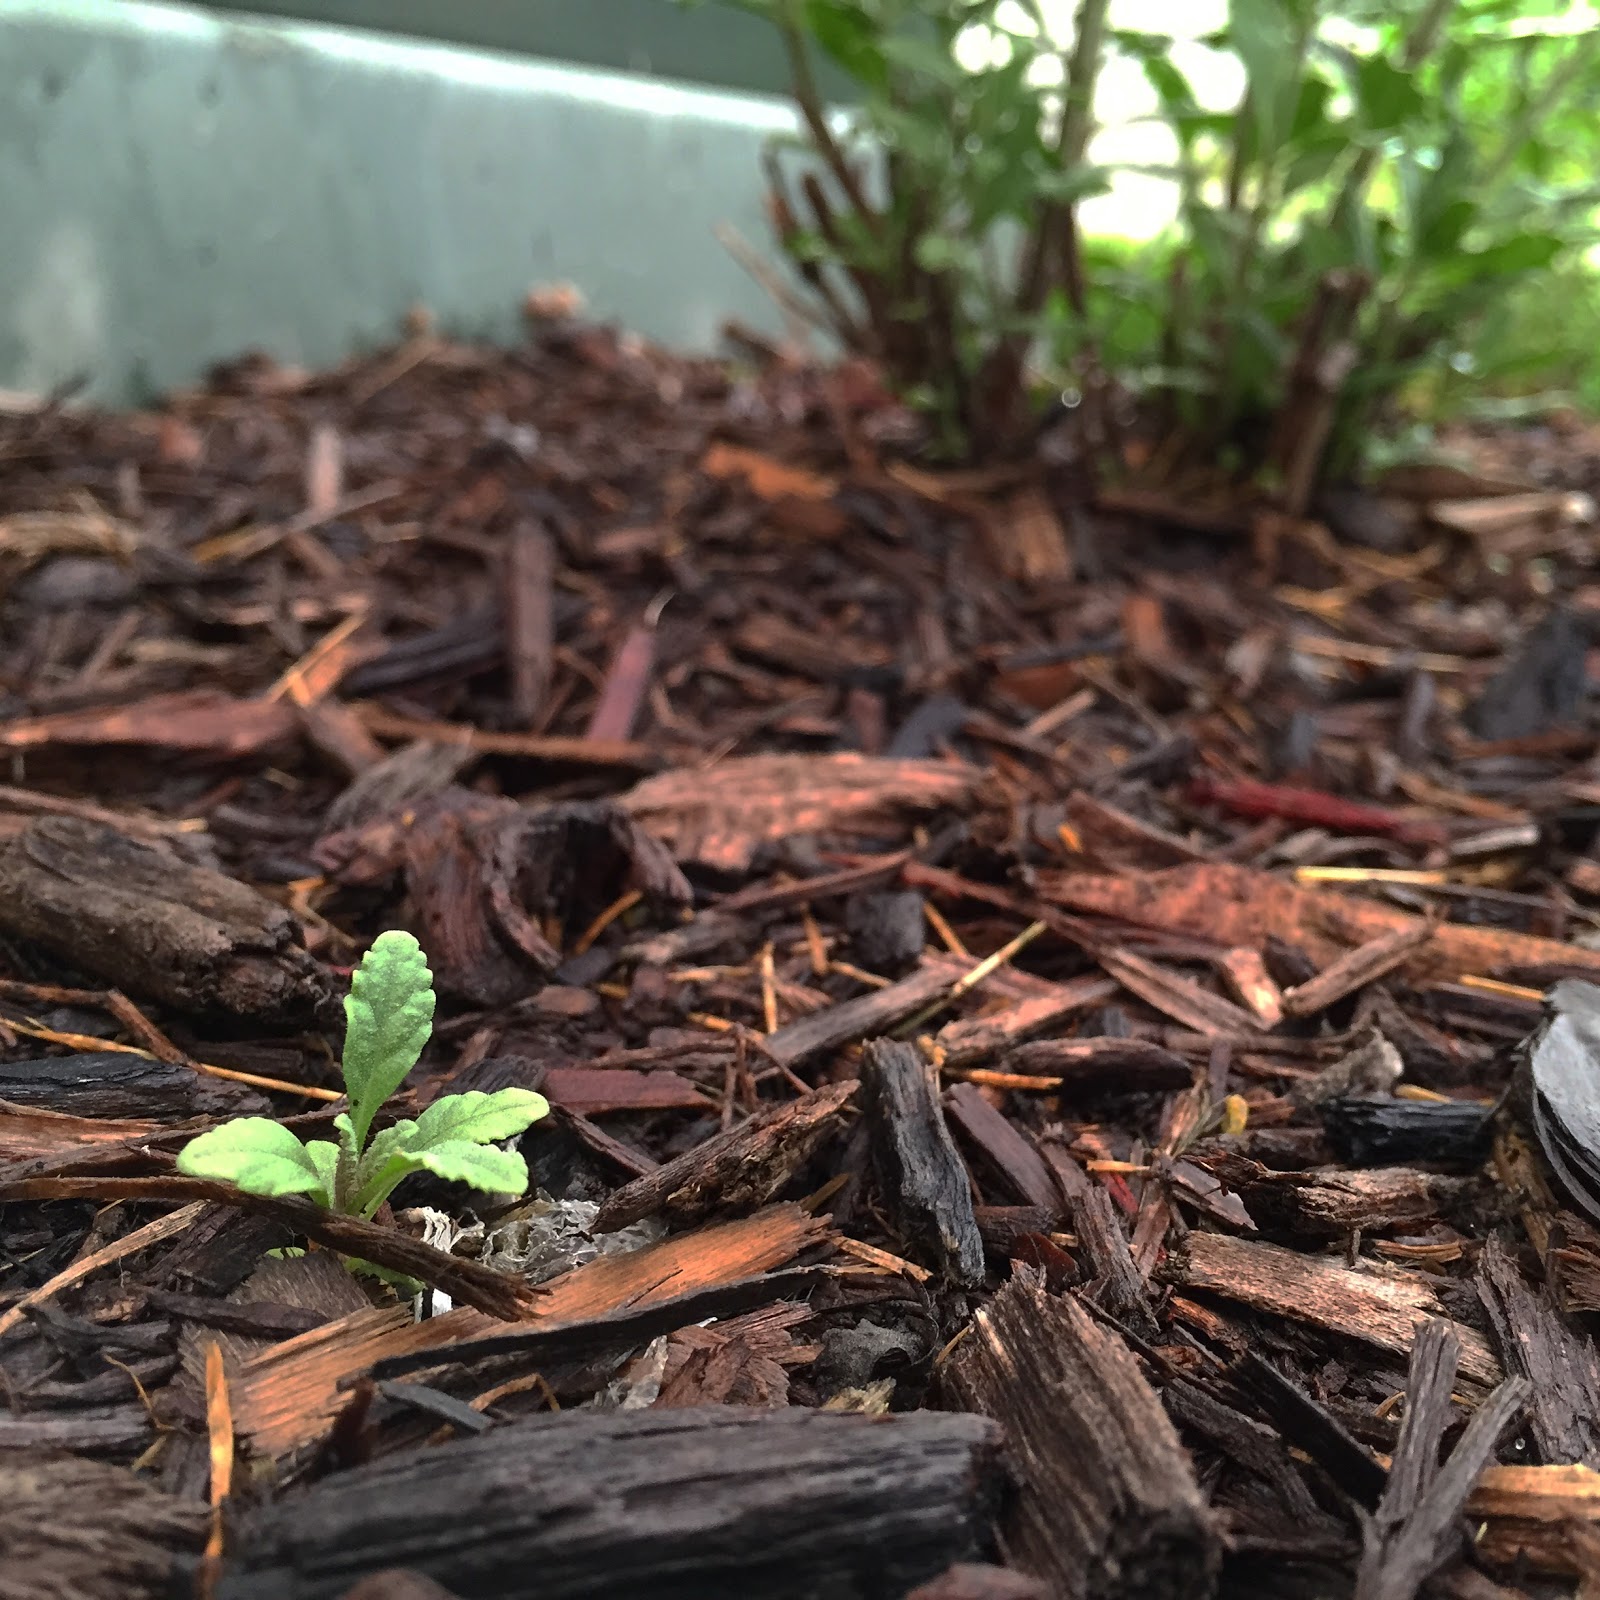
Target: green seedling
(389, 1016)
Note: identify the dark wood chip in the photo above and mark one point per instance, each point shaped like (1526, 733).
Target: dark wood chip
(746, 1165)
(1007, 1157)
(1419, 1526)
(925, 1184)
(776, 1503)
(1107, 1501)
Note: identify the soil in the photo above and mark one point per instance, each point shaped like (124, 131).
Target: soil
(1031, 970)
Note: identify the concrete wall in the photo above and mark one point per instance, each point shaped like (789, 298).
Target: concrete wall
(179, 186)
(709, 43)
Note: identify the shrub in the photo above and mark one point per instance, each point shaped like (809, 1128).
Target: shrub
(1389, 181)
(933, 221)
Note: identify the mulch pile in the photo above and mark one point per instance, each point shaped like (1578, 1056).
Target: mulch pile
(1028, 972)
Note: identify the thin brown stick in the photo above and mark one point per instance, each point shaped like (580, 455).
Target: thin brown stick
(808, 99)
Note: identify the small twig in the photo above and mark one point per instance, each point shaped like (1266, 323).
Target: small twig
(809, 100)
(86, 1042)
(219, 1429)
(796, 312)
(970, 980)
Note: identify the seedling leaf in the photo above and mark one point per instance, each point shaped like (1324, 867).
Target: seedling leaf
(484, 1166)
(478, 1117)
(451, 1124)
(259, 1156)
(389, 1015)
(324, 1156)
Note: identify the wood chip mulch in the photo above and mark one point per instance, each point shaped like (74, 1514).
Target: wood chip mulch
(1028, 971)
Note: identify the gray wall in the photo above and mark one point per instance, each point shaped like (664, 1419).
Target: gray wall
(708, 43)
(179, 186)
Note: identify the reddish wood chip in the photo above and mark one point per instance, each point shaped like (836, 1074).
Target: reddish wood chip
(204, 721)
(1238, 905)
(592, 1091)
(720, 816)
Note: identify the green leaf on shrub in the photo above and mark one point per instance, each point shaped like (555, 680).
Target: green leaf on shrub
(1447, 228)
(938, 252)
(918, 54)
(1311, 110)
(1526, 253)
(1386, 95)
(1313, 163)
(1264, 33)
(1065, 187)
(843, 33)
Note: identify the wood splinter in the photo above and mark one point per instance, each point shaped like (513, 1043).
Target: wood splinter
(1419, 1526)
(925, 1183)
(1107, 1503)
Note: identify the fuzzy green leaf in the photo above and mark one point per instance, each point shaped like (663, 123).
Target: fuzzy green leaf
(478, 1117)
(452, 1124)
(392, 1140)
(484, 1166)
(259, 1156)
(389, 1015)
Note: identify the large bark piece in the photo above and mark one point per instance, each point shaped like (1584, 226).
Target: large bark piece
(1379, 1306)
(1536, 1342)
(138, 916)
(483, 872)
(107, 1083)
(1108, 1505)
(720, 816)
(1334, 1202)
(925, 1184)
(1235, 905)
(656, 1505)
(746, 1165)
(94, 1532)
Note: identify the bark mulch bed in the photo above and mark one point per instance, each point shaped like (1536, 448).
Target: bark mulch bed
(1029, 978)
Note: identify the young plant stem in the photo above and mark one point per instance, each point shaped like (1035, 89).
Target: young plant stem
(344, 1176)
(1267, 180)
(1049, 244)
(1071, 145)
(808, 98)
(1083, 74)
(1243, 118)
